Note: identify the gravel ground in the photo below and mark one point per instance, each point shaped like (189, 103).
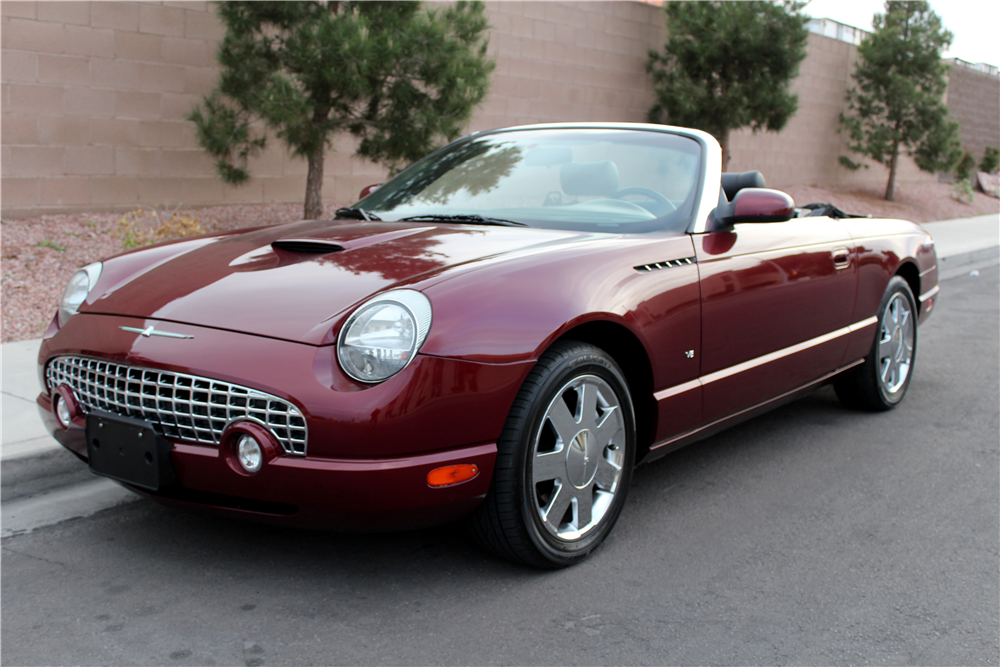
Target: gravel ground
(40, 254)
(925, 202)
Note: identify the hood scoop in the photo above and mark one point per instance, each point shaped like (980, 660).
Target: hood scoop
(308, 246)
(325, 246)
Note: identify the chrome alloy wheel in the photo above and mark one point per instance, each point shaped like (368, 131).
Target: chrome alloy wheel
(895, 347)
(577, 457)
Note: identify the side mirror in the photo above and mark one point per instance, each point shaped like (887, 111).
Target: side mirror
(754, 205)
(368, 189)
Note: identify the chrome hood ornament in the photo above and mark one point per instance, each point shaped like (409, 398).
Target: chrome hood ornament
(151, 331)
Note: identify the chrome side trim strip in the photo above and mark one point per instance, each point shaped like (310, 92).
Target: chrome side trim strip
(858, 326)
(679, 389)
(774, 356)
(930, 293)
(760, 361)
(924, 273)
(694, 432)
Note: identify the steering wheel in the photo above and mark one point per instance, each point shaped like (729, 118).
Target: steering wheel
(646, 192)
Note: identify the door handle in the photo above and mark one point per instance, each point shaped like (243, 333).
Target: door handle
(841, 258)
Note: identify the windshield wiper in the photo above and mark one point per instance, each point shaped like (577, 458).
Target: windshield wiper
(356, 214)
(476, 219)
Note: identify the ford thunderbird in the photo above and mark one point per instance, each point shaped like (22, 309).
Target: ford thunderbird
(498, 334)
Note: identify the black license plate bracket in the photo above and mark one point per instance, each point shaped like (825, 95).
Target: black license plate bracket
(128, 450)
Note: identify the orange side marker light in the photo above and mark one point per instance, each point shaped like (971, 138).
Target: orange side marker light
(449, 475)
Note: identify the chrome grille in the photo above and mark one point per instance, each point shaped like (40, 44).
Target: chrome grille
(180, 406)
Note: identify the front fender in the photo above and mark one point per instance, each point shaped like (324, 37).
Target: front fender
(513, 310)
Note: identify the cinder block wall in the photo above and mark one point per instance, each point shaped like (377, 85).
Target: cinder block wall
(94, 100)
(95, 96)
(580, 61)
(806, 152)
(974, 99)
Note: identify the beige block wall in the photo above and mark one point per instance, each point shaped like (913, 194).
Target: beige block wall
(95, 96)
(974, 98)
(94, 100)
(569, 62)
(806, 151)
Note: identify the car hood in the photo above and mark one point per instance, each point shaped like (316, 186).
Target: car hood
(292, 281)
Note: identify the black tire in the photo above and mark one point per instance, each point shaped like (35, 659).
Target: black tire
(591, 472)
(880, 383)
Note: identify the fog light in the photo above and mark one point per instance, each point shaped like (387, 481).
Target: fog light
(249, 453)
(61, 409)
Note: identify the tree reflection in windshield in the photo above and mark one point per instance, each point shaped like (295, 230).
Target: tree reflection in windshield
(476, 176)
(613, 180)
(476, 167)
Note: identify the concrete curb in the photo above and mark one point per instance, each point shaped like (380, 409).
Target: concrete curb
(23, 515)
(970, 257)
(965, 241)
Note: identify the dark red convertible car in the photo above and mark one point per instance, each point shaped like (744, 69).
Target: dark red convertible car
(497, 334)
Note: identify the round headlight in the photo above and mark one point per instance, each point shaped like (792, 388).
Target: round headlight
(383, 335)
(77, 290)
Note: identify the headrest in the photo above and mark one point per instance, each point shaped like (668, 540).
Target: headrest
(733, 183)
(547, 156)
(589, 178)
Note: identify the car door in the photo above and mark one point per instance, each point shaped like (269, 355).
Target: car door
(777, 299)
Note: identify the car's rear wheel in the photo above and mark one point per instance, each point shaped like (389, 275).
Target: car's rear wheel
(564, 461)
(880, 383)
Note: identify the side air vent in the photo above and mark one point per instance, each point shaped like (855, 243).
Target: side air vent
(668, 264)
(307, 246)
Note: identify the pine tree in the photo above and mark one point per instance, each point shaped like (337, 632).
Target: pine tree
(728, 65)
(395, 76)
(898, 102)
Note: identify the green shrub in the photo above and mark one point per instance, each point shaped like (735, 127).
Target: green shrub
(47, 243)
(962, 191)
(963, 171)
(991, 160)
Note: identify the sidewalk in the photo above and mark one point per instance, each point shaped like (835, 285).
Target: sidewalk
(958, 242)
(23, 434)
(965, 241)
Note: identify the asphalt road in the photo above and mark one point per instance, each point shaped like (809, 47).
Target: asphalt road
(811, 535)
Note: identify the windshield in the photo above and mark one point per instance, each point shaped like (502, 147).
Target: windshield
(580, 179)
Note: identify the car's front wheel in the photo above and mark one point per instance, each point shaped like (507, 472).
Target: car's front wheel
(564, 461)
(882, 380)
